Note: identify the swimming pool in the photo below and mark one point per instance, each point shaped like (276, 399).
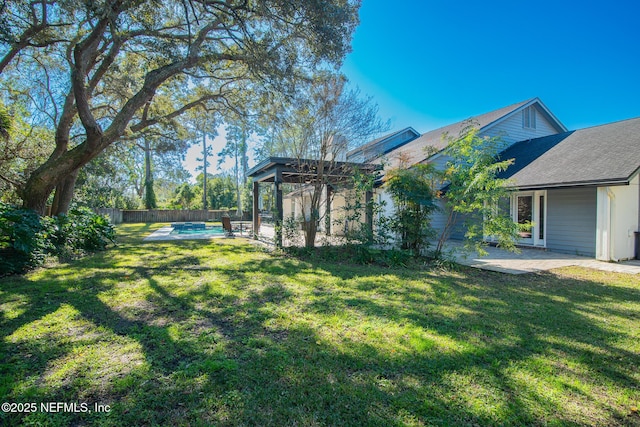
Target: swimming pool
(186, 231)
(211, 230)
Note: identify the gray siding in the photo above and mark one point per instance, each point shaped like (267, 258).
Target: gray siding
(439, 217)
(463, 220)
(571, 221)
(512, 131)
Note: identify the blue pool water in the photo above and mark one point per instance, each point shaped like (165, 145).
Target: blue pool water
(211, 230)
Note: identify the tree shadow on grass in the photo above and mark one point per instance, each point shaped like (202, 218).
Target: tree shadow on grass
(276, 341)
(511, 322)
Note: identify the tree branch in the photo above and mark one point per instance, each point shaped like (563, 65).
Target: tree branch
(144, 123)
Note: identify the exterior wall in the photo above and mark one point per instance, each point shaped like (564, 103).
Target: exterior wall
(298, 206)
(382, 196)
(439, 218)
(571, 221)
(288, 207)
(512, 131)
(459, 228)
(338, 203)
(617, 221)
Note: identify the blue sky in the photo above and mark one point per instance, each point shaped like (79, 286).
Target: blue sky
(430, 63)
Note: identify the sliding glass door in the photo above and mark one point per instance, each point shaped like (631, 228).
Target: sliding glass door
(530, 209)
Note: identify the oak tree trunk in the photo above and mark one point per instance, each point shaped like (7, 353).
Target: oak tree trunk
(149, 194)
(54, 172)
(64, 194)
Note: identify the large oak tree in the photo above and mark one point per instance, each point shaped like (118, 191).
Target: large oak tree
(95, 69)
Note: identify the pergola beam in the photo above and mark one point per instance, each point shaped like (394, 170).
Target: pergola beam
(281, 170)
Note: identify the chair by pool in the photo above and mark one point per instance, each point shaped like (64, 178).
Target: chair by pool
(226, 226)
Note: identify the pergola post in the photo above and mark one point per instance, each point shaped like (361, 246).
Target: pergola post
(277, 182)
(368, 215)
(327, 212)
(256, 209)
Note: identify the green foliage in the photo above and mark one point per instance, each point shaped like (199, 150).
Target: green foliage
(79, 231)
(473, 191)
(185, 196)
(355, 209)
(357, 254)
(112, 179)
(291, 230)
(221, 190)
(221, 194)
(26, 239)
(21, 239)
(5, 122)
(23, 146)
(413, 194)
(149, 62)
(149, 195)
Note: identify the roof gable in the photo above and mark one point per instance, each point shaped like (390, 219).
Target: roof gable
(551, 118)
(601, 155)
(414, 151)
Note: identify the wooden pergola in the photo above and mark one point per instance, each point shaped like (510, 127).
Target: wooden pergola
(280, 170)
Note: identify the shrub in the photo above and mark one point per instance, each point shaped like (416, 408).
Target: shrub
(80, 231)
(413, 195)
(354, 254)
(22, 241)
(26, 238)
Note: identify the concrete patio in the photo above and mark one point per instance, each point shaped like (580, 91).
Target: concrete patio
(533, 260)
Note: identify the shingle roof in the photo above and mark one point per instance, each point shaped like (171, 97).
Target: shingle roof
(414, 151)
(606, 154)
(371, 148)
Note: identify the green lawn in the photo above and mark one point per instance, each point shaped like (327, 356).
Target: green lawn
(222, 333)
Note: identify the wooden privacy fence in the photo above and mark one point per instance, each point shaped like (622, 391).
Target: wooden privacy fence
(157, 215)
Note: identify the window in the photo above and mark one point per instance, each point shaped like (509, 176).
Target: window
(529, 118)
(525, 214)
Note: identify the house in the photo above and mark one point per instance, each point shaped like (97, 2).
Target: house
(580, 189)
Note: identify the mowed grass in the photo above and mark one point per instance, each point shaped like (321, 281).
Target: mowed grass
(223, 333)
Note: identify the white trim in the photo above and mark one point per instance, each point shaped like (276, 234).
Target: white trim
(616, 221)
(535, 239)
